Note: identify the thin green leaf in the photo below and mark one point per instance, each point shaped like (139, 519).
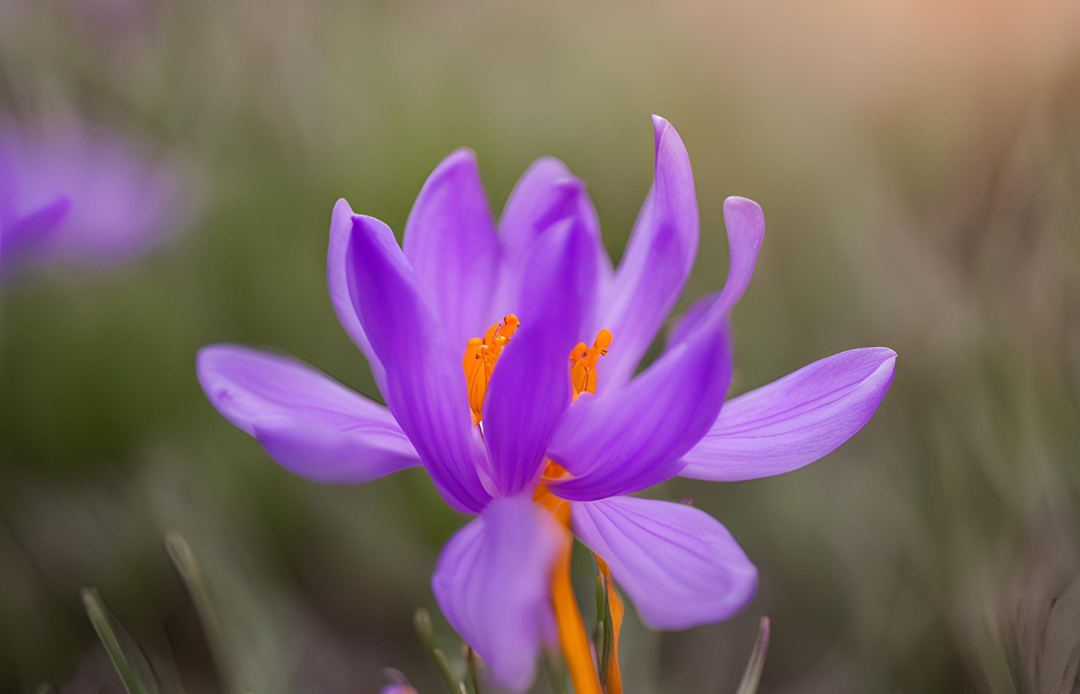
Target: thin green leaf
(422, 620)
(601, 614)
(194, 580)
(752, 674)
(108, 631)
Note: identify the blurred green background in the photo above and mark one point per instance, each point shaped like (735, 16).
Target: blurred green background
(919, 167)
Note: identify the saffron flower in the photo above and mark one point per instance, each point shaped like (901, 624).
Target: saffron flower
(88, 197)
(547, 428)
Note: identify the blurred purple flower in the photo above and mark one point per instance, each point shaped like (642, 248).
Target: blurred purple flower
(21, 224)
(397, 689)
(413, 313)
(123, 200)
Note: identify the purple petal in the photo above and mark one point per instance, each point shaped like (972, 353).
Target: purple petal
(311, 424)
(493, 584)
(679, 565)
(545, 195)
(657, 261)
(626, 441)
(337, 279)
(397, 689)
(794, 421)
(746, 230)
(530, 389)
(450, 241)
(424, 385)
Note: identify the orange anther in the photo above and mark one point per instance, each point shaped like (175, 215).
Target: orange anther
(583, 361)
(479, 362)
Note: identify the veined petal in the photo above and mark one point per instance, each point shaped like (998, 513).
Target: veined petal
(746, 230)
(657, 261)
(311, 424)
(546, 194)
(794, 421)
(451, 243)
(530, 388)
(679, 565)
(423, 387)
(337, 279)
(624, 442)
(493, 584)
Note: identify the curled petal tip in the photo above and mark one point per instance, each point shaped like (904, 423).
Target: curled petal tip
(366, 225)
(342, 211)
(886, 361)
(660, 128)
(745, 222)
(459, 157)
(885, 372)
(363, 229)
(737, 202)
(461, 165)
(571, 184)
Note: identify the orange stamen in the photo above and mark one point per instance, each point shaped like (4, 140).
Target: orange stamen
(479, 362)
(613, 677)
(583, 361)
(572, 635)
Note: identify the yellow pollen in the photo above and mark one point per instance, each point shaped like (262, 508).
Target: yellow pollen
(583, 361)
(479, 362)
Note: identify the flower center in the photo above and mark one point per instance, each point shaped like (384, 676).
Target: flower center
(481, 354)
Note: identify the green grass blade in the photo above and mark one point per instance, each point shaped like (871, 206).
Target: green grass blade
(194, 581)
(422, 621)
(752, 674)
(108, 633)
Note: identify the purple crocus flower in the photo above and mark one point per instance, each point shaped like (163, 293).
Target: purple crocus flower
(123, 201)
(579, 435)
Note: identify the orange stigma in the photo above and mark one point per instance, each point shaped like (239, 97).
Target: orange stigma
(573, 638)
(479, 362)
(583, 361)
